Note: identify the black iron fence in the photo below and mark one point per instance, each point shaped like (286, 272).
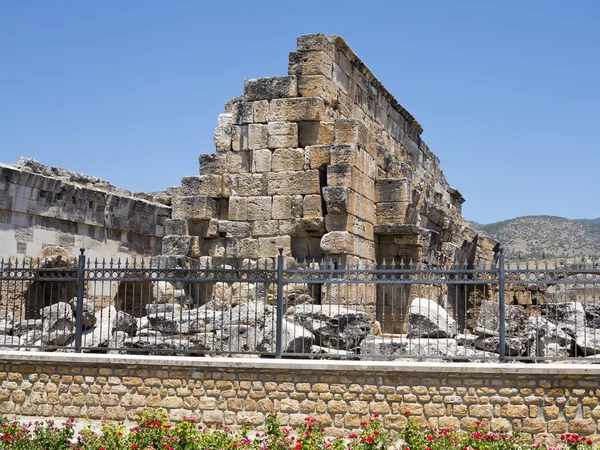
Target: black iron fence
(330, 308)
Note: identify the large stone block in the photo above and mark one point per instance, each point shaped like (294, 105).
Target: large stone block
(239, 162)
(214, 247)
(337, 199)
(282, 207)
(268, 247)
(239, 138)
(261, 111)
(261, 161)
(349, 222)
(198, 207)
(176, 227)
(248, 248)
(181, 245)
(223, 133)
(244, 184)
(317, 156)
(243, 113)
(238, 208)
(258, 136)
(234, 229)
(315, 133)
(297, 109)
(350, 131)
(391, 212)
(312, 206)
(282, 134)
(345, 154)
(212, 164)
(262, 228)
(337, 243)
(210, 185)
(311, 63)
(259, 208)
(318, 86)
(316, 42)
(270, 88)
(287, 159)
(392, 190)
(290, 183)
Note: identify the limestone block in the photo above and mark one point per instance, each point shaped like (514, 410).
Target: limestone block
(391, 212)
(248, 248)
(392, 190)
(268, 247)
(234, 229)
(239, 138)
(261, 161)
(270, 88)
(238, 208)
(181, 245)
(345, 154)
(212, 164)
(214, 247)
(317, 156)
(337, 243)
(303, 227)
(239, 162)
(349, 222)
(282, 207)
(176, 227)
(261, 111)
(316, 42)
(223, 133)
(315, 133)
(297, 109)
(259, 208)
(244, 184)
(290, 183)
(243, 113)
(337, 199)
(312, 206)
(210, 185)
(350, 131)
(349, 176)
(282, 134)
(297, 206)
(311, 63)
(232, 247)
(258, 136)
(197, 207)
(261, 228)
(287, 159)
(318, 86)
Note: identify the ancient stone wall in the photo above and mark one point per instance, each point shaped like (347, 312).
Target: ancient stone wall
(545, 399)
(42, 206)
(321, 162)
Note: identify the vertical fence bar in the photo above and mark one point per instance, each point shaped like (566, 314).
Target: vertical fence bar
(79, 310)
(279, 329)
(501, 306)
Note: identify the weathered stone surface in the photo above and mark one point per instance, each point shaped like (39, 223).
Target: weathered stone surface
(588, 340)
(270, 88)
(294, 338)
(337, 199)
(569, 316)
(176, 227)
(58, 324)
(88, 312)
(428, 319)
(297, 109)
(398, 348)
(197, 207)
(333, 326)
(488, 314)
(282, 135)
(180, 322)
(546, 339)
(181, 245)
(6, 322)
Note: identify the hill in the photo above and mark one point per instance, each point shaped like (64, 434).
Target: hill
(545, 236)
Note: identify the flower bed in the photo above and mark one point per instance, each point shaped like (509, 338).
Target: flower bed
(153, 431)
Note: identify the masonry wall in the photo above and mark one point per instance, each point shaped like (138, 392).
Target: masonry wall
(42, 206)
(536, 399)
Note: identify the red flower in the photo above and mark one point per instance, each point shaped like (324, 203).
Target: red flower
(477, 423)
(298, 447)
(430, 438)
(407, 413)
(476, 435)
(5, 437)
(376, 415)
(352, 436)
(588, 442)
(134, 446)
(371, 439)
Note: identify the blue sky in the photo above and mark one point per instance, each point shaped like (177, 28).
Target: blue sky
(129, 91)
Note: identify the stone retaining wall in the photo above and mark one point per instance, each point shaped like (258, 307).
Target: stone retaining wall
(537, 399)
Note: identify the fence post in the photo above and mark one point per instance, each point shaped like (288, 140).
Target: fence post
(80, 291)
(501, 305)
(279, 329)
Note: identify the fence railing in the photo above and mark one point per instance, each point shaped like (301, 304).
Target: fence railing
(329, 308)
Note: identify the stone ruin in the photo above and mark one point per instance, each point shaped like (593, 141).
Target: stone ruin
(323, 163)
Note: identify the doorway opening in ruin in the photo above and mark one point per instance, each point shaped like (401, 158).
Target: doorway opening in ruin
(46, 292)
(392, 302)
(133, 296)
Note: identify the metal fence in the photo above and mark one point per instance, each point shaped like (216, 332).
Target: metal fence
(330, 308)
